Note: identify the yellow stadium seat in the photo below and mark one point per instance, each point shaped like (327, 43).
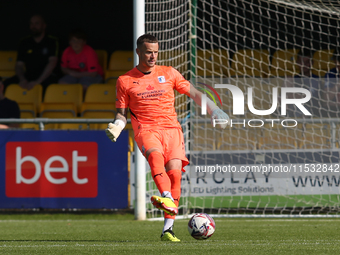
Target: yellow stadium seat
(102, 59)
(280, 138)
(316, 136)
(120, 63)
(55, 114)
(250, 63)
(177, 58)
(284, 63)
(73, 126)
(99, 115)
(29, 100)
(213, 63)
(7, 63)
(29, 126)
(62, 101)
(202, 138)
(323, 62)
(181, 103)
(99, 98)
(337, 135)
(235, 138)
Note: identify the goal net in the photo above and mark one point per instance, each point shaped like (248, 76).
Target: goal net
(271, 65)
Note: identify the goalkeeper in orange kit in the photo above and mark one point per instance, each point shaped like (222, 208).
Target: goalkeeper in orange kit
(148, 91)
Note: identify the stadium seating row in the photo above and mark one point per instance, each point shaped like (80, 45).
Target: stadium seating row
(65, 101)
(259, 63)
(306, 136)
(245, 62)
(120, 62)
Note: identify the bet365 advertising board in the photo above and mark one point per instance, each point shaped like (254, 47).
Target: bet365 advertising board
(63, 169)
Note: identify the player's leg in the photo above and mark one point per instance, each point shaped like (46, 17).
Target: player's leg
(162, 181)
(150, 145)
(175, 160)
(174, 172)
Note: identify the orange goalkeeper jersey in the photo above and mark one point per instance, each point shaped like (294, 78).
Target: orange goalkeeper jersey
(151, 97)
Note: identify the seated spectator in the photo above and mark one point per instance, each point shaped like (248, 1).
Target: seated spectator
(331, 96)
(307, 80)
(8, 109)
(79, 62)
(37, 57)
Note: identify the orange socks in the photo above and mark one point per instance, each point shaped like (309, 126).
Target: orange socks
(175, 176)
(165, 181)
(156, 162)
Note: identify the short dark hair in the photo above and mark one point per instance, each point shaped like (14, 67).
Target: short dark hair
(0, 79)
(77, 33)
(40, 16)
(146, 38)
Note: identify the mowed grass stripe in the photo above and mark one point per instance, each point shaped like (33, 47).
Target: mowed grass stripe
(120, 234)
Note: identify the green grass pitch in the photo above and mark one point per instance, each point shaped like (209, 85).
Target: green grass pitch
(121, 234)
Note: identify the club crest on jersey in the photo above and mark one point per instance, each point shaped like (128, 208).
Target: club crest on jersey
(161, 79)
(149, 87)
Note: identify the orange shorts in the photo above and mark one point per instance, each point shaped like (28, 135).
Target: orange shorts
(169, 141)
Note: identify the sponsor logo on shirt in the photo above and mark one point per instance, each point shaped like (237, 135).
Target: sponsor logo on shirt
(149, 87)
(161, 79)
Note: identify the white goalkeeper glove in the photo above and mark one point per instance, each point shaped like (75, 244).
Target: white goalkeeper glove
(219, 117)
(113, 130)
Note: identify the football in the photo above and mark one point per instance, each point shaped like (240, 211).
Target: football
(201, 226)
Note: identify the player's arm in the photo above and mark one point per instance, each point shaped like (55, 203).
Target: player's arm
(115, 128)
(214, 111)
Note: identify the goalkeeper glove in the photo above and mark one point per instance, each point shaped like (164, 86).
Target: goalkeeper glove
(113, 131)
(220, 115)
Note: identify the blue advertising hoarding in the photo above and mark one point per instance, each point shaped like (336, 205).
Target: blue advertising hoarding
(63, 169)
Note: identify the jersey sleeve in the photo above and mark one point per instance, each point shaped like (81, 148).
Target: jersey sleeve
(181, 84)
(122, 98)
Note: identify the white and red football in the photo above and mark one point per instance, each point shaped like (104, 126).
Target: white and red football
(201, 226)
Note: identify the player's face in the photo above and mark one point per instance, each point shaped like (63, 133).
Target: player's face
(37, 26)
(77, 44)
(147, 54)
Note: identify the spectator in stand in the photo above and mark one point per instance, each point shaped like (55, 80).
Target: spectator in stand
(307, 80)
(8, 109)
(79, 62)
(37, 57)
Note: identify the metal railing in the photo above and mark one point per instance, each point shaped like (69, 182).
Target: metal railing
(42, 121)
